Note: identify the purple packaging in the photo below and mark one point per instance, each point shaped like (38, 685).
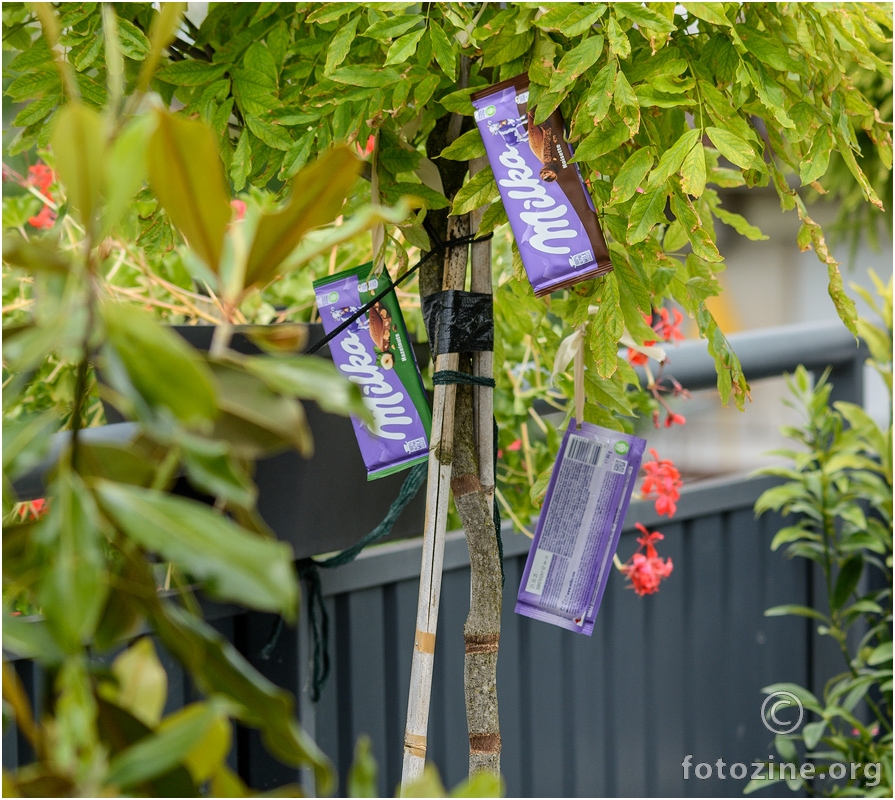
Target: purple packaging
(550, 210)
(374, 352)
(579, 527)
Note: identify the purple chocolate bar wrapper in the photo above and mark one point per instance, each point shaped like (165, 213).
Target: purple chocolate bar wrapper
(546, 214)
(579, 527)
(393, 393)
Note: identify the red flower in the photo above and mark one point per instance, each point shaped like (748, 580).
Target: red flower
(664, 481)
(675, 419)
(239, 207)
(371, 145)
(637, 359)
(667, 329)
(41, 176)
(44, 219)
(646, 570)
(33, 510)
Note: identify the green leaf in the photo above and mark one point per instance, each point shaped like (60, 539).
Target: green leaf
(710, 12)
(390, 27)
(233, 564)
(274, 136)
(369, 76)
(792, 533)
(340, 45)
(479, 190)
(310, 379)
(494, 215)
(648, 210)
(799, 611)
(672, 159)
(211, 469)
(363, 772)
(73, 588)
(278, 234)
(134, 43)
(186, 174)
(154, 755)
(631, 176)
(599, 98)
(218, 668)
(404, 47)
(125, 170)
(161, 34)
(602, 141)
(241, 165)
(847, 580)
(693, 171)
(465, 147)
(739, 224)
(732, 147)
(78, 144)
(191, 73)
(606, 329)
(31, 639)
(626, 103)
(297, 156)
(570, 19)
(880, 655)
(618, 42)
(141, 345)
(458, 102)
(443, 50)
(36, 111)
(813, 732)
(142, 682)
(576, 62)
(644, 17)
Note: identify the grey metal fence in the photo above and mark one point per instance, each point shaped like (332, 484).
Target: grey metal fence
(663, 677)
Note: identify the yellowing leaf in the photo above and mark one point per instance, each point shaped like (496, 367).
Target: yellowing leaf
(278, 234)
(576, 62)
(186, 173)
(142, 682)
(693, 171)
(732, 147)
(478, 191)
(631, 175)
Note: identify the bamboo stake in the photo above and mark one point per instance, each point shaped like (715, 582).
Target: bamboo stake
(440, 457)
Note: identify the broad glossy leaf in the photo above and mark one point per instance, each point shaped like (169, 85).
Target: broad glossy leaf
(479, 190)
(78, 142)
(154, 755)
(211, 469)
(185, 386)
(233, 564)
(218, 668)
(255, 420)
(847, 580)
(186, 174)
(332, 176)
(310, 378)
(73, 588)
(142, 682)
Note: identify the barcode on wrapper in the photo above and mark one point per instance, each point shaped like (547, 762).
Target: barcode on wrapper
(580, 259)
(619, 466)
(584, 450)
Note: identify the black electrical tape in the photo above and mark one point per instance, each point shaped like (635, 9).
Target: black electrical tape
(459, 322)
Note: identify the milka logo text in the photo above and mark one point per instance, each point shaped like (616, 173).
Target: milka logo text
(379, 397)
(549, 222)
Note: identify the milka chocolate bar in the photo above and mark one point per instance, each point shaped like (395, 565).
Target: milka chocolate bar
(374, 352)
(579, 527)
(550, 211)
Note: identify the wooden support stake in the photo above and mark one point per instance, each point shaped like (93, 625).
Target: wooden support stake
(437, 498)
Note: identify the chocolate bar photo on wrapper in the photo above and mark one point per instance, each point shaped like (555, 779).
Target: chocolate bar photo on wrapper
(374, 352)
(550, 210)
